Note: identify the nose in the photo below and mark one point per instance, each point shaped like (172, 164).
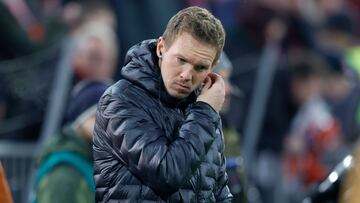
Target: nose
(186, 73)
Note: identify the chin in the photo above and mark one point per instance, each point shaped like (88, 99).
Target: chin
(178, 95)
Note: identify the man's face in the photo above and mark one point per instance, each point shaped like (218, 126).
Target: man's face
(93, 60)
(185, 64)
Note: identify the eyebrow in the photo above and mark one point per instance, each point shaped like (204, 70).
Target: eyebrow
(201, 63)
(202, 66)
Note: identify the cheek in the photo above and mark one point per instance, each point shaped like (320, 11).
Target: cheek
(168, 71)
(166, 76)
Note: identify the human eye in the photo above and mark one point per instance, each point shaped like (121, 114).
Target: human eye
(200, 68)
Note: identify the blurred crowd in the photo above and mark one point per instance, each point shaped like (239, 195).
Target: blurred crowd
(291, 68)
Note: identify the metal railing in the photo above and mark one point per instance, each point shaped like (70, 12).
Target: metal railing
(17, 159)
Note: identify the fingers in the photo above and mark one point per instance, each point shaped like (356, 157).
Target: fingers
(213, 91)
(207, 83)
(216, 78)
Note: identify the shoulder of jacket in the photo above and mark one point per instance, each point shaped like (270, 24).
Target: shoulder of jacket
(124, 89)
(123, 92)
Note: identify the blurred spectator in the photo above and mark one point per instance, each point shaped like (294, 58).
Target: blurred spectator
(224, 68)
(314, 132)
(95, 52)
(337, 33)
(77, 12)
(65, 169)
(264, 29)
(337, 37)
(92, 31)
(280, 107)
(5, 194)
(92, 35)
(235, 169)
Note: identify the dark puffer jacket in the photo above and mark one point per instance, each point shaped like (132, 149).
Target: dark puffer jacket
(150, 147)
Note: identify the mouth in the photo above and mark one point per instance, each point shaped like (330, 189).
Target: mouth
(182, 88)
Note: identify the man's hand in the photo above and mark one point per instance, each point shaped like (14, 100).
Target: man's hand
(213, 91)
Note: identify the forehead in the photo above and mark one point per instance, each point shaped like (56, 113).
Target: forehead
(188, 46)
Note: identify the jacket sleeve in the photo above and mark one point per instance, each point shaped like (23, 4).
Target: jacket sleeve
(141, 145)
(223, 192)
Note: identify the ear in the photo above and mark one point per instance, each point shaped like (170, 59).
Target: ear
(160, 47)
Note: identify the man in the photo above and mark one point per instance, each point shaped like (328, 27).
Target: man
(157, 135)
(95, 50)
(65, 167)
(235, 171)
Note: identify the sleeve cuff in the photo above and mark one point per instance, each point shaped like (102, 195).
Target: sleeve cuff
(205, 108)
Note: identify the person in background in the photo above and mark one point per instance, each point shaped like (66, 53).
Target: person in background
(158, 136)
(95, 52)
(314, 133)
(232, 139)
(5, 194)
(65, 170)
(95, 42)
(339, 40)
(235, 170)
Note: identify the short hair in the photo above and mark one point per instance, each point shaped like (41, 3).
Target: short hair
(201, 24)
(304, 64)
